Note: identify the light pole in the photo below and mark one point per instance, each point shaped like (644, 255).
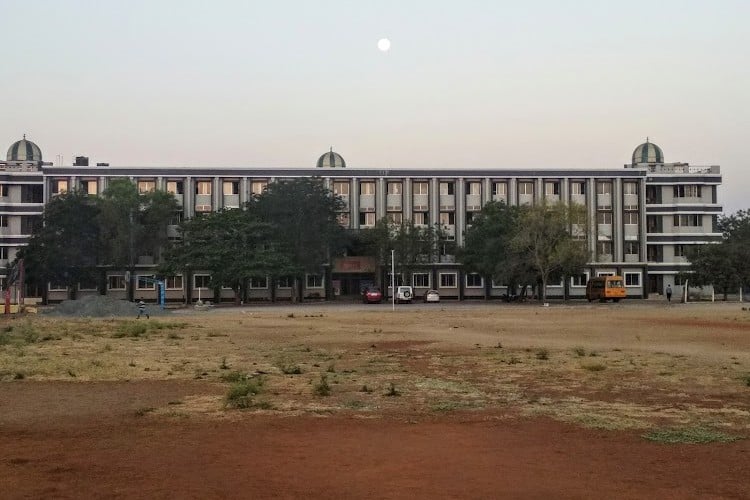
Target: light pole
(393, 280)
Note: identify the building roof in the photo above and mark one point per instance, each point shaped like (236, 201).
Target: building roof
(24, 150)
(648, 152)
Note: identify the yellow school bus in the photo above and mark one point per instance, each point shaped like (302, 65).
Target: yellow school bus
(604, 288)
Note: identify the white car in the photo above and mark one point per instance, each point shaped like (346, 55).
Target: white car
(431, 296)
(404, 294)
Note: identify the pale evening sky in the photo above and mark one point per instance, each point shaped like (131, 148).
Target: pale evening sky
(545, 84)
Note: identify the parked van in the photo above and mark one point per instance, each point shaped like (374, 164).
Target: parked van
(603, 288)
(404, 294)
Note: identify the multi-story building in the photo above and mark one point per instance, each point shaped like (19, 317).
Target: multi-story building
(640, 218)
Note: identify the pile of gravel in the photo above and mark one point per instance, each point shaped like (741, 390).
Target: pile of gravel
(100, 306)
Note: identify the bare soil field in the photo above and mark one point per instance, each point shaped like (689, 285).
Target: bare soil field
(635, 400)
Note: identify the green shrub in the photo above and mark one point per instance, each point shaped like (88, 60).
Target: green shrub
(241, 393)
(579, 351)
(321, 388)
(392, 391)
(593, 367)
(233, 376)
(542, 354)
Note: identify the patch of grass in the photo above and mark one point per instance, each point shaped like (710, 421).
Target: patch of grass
(331, 368)
(142, 412)
(288, 368)
(19, 376)
(233, 376)
(594, 367)
(366, 389)
(691, 435)
(542, 354)
(321, 387)
(173, 336)
(579, 351)
(392, 391)
(241, 393)
(224, 365)
(131, 329)
(514, 360)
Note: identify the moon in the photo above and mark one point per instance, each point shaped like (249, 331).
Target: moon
(384, 44)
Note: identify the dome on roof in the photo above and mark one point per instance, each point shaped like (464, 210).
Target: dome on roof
(331, 160)
(648, 152)
(24, 150)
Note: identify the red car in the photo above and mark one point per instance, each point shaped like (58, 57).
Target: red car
(372, 296)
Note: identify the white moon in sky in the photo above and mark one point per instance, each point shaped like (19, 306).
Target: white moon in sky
(384, 44)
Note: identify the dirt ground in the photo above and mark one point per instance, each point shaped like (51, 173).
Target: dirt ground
(451, 401)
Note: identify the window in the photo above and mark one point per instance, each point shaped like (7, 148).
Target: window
(341, 188)
(29, 223)
(175, 219)
(470, 216)
(367, 218)
(201, 281)
(421, 280)
(395, 188)
(256, 282)
(116, 282)
(396, 218)
(3, 221)
(146, 186)
(3, 253)
(366, 188)
(474, 188)
(604, 247)
(57, 287)
(604, 217)
(343, 219)
(447, 188)
(689, 220)
(447, 218)
(420, 188)
(32, 193)
(421, 219)
(603, 188)
(231, 187)
(203, 187)
(398, 277)
(175, 187)
(173, 282)
(91, 188)
(448, 280)
(632, 279)
(474, 280)
(257, 187)
(499, 189)
(630, 188)
(579, 279)
(577, 188)
(605, 273)
(687, 191)
(314, 281)
(3, 190)
(59, 186)
(145, 282)
(632, 248)
(87, 284)
(631, 218)
(551, 188)
(284, 282)
(525, 188)
(681, 250)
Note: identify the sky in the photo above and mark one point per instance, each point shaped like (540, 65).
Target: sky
(537, 84)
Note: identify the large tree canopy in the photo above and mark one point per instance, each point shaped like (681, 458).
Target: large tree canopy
(64, 247)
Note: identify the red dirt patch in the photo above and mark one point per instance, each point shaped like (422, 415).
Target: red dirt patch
(110, 452)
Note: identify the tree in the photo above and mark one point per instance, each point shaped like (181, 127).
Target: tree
(725, 265)
(489, 246)
(63, 248)
(306, 232)
(230, 244)
(545, 238)
(413, 246)
(133, 224)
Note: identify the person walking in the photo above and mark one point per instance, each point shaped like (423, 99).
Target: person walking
(669, 293)
(142, 310)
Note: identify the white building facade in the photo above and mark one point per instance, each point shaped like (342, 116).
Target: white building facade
(639, 218)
